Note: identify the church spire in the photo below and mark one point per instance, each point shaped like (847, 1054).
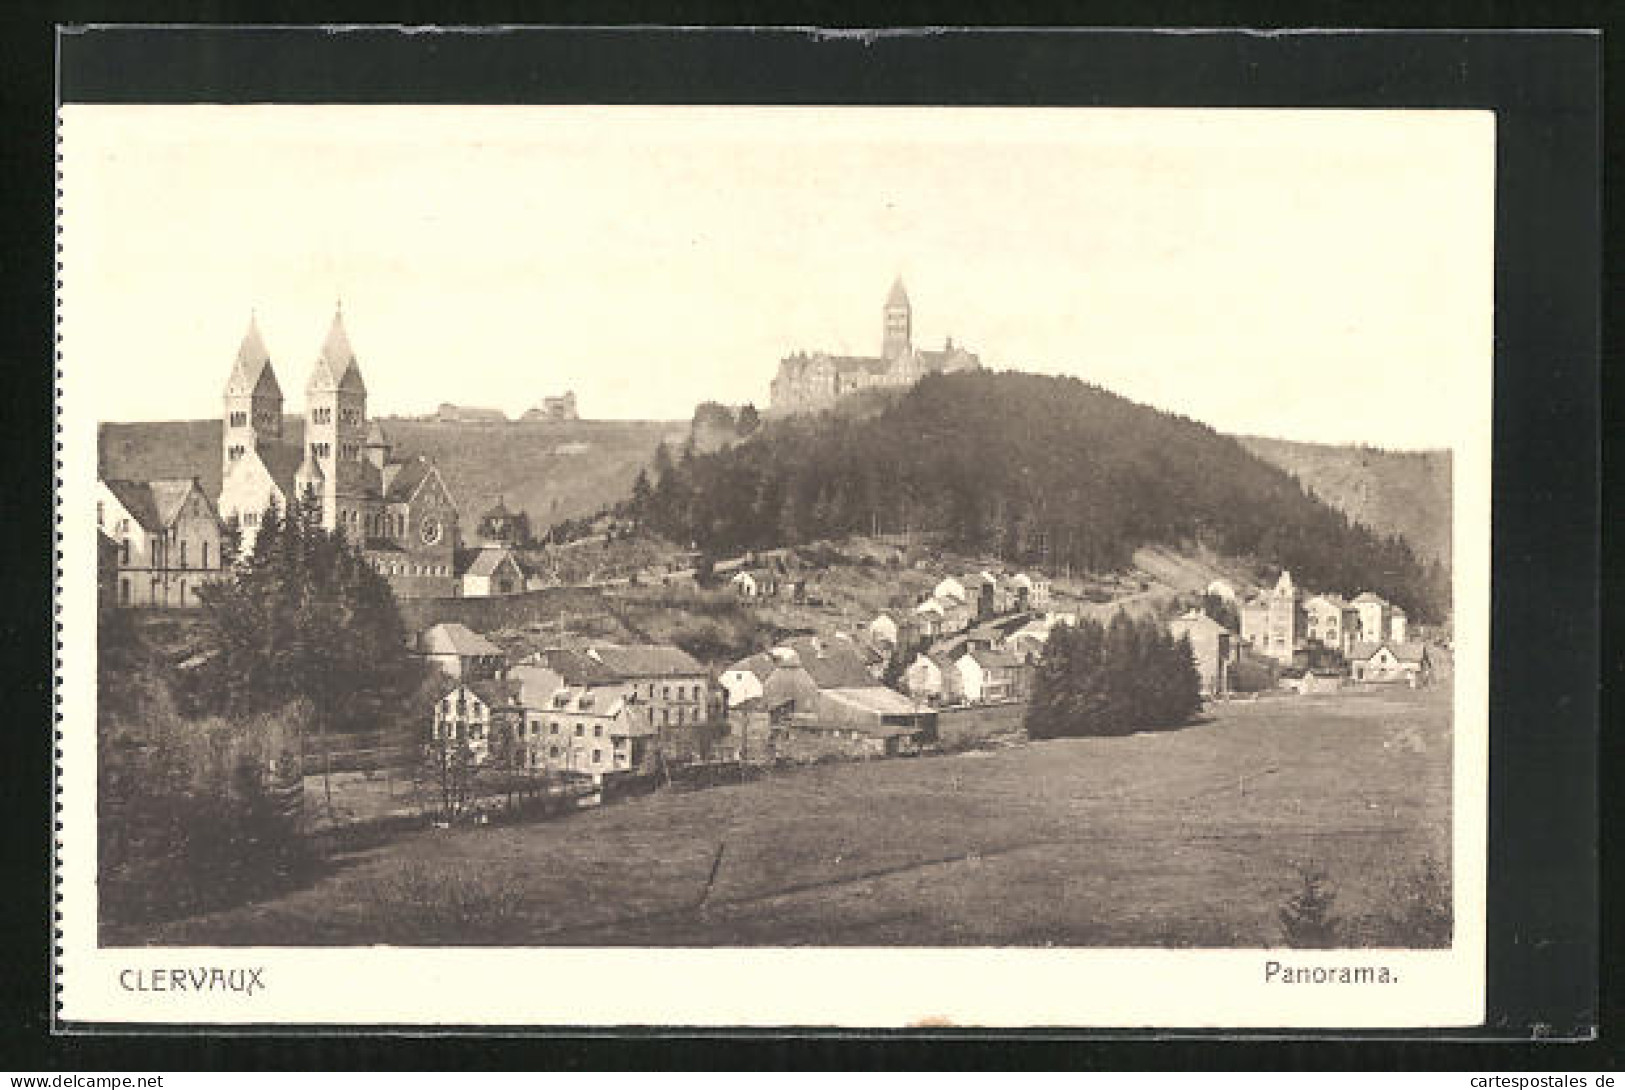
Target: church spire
(899, 294)
(337, 359)
(252, 372)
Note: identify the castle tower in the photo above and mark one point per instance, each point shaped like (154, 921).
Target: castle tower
(896, 341)
(253, 401)
(335, 413)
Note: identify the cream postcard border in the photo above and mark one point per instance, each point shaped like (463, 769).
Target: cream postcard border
(762, 987)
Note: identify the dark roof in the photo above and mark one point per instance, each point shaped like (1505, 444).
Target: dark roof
(650, 660)
(282, 461)
(996, 660)
(137, 499)
(482, 561)
(576, 668)
(831, 665)
(408, 478)
(502, 692)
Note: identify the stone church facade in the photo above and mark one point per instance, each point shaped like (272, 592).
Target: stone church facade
(810, 382)
(397, 510)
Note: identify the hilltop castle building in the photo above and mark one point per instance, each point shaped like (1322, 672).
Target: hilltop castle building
(809, 382)
(398, 511)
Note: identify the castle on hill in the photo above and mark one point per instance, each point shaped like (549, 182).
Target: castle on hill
(397, 510)
(809, 382)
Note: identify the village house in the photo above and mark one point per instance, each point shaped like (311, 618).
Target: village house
(934, 679)
(1272, 623)
(930, 618)
(1212, 644)
(1397, 625)
(1332, 622)
(1376, 615)
(675, 688)
(822, 695)
(887, 629)
(755, 583)
(460, 652)
(989, 677)
(475, 714)
(1389, 662)
(168, 539)
(950, 589)
(489, 572)
(743, 680)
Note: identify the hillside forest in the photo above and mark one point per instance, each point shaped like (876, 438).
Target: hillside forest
(1035, 469)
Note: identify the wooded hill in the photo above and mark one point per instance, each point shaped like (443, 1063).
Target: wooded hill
(552, 470)
(1036, 469)
(1406, 492)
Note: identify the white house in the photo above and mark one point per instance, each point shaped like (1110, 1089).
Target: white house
(1374, 613)
(950, 588)
(1390, 662)
(472, 712)
(489, 572)
(743, 680)
(883, 629)
(755, 583)
(989, 675)
(1221, 588)
(1397, 625)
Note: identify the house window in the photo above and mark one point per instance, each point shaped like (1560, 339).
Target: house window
(665, 692)
(100, 513)
(597, 755)
(205, 554)
(124, 552)
(183, 552)
(665, 717)
(124, 592)
(579, 730)
(553, 751)
(552, 728)
(597, 731)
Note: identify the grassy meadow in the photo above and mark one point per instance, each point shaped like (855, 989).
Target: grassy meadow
(1193, 837)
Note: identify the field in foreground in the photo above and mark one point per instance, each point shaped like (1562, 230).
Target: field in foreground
(1183, 838)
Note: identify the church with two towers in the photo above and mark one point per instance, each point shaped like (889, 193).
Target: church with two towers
(397, 510)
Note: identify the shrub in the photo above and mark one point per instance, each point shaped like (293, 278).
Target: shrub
(434, 904)
(1417, 912)
(1306, 918)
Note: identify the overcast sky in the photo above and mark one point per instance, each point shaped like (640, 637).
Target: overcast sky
(1312, 275)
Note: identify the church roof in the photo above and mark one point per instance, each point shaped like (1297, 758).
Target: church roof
(336, 368)
(282, 461)
(252, 373)
(376, 436)
(899, 294)
(406, 479)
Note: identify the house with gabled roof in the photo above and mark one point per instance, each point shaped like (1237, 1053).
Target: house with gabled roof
(675, 686)
(459, 652)
(168, 540)
(489, 571)
(1389, 661)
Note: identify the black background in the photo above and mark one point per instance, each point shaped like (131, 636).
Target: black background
(1543, 922)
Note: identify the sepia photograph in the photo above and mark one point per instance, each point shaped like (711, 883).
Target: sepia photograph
(683, 529)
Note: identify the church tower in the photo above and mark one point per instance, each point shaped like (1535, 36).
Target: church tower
(253, 401)
(896, 341)
(335, 415)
